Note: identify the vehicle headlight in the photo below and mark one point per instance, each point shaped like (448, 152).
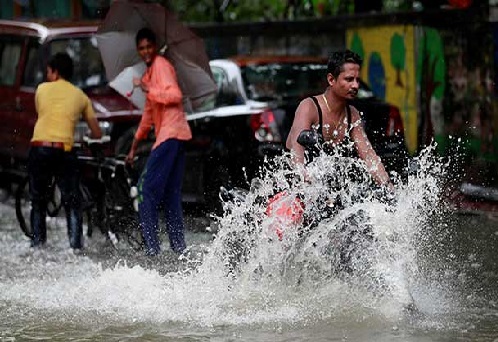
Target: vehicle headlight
(82, 130)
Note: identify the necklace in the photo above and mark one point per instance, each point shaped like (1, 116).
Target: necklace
(335, 132)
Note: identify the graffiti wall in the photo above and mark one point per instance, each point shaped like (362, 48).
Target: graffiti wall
(431, 80)
(442, 80)
(470, 105)
(389, 68)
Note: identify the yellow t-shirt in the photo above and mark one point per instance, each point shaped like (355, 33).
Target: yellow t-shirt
(60, 105)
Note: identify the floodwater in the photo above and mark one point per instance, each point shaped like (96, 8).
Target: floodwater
(286, 289)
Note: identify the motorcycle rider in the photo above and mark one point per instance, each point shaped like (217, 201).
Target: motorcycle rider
(337, 123)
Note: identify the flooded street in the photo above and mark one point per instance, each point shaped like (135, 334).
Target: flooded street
(349, 149)
(108, 295)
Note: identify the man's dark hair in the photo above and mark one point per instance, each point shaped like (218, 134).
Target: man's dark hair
(337, 60)
(63, 64)
(145, 33)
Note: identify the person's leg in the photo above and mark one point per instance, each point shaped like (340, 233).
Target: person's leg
(150, 192)
(173, 200)
(40, 175)
(68, 180)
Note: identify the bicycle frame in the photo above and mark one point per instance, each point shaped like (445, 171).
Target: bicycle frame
(110, 185)
(106, 190)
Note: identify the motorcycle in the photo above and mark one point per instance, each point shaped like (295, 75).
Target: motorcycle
(315, 226)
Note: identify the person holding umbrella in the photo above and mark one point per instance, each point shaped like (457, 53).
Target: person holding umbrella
(161, 179)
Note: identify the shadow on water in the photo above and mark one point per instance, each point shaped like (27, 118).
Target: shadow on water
(250, 284)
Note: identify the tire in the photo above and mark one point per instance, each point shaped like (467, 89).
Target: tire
(23, 207)
(89, 217)
(132, 234)
(5, 188)
(54, 203)
(122, 218)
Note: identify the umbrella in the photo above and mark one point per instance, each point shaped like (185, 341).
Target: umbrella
(123, 84)
(182, 47)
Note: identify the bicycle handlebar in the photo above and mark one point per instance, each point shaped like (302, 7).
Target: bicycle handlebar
(102, 140)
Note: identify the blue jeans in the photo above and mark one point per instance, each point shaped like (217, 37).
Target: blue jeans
(45, 163)
(161, 184)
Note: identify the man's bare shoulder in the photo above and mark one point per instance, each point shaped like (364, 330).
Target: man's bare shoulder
(307, 110)
(355, 113)
(307, 106)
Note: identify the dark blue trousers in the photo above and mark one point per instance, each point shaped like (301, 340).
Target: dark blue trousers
(44, 164)
(160, 185)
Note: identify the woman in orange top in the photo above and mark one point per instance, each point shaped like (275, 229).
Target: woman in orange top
(161, 180)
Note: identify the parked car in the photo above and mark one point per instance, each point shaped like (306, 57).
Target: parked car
(255, 108)
(25, 48)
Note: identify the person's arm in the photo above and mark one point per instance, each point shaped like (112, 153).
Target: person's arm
(305, 113)
(366, 151)
(142, 131)
(95, 131)
(91, 120)
(130, 157)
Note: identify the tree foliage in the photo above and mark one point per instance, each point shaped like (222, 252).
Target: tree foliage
(227, 10)
(256, 10)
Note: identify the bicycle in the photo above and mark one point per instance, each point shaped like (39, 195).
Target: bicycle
(107, 193)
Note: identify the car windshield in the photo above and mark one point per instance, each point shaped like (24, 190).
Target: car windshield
(283, 80)
(273, 81)
(88, 68)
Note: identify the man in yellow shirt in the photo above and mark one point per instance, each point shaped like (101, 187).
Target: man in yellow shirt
(59, 105)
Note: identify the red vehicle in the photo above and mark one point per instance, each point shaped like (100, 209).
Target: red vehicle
(25, 48)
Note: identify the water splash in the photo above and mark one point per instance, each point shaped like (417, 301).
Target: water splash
(352, 237)
(352, 254)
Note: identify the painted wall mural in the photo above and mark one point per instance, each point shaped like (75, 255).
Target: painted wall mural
(471, 101)
(389, 68)
(442, 81)
(431, 78)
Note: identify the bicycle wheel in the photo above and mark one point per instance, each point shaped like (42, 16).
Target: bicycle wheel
(122, 218)
(90, 219)
(23, 207)
(54, 205)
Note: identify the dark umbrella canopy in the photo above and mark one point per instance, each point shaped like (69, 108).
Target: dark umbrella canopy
(184, 49)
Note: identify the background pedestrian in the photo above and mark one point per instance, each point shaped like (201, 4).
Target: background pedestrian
(161, 180)
(59, 105)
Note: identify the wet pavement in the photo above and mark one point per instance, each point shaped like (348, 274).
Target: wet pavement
(120, 295)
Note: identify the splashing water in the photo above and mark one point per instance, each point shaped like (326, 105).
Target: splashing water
(350, 243)
(352, 254)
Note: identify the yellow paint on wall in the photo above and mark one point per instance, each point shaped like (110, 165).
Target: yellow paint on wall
(378, 39)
